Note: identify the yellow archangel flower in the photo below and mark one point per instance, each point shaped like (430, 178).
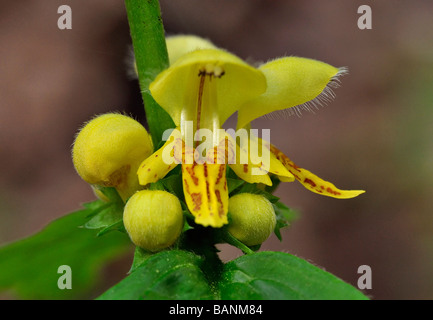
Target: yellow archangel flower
(201, 89)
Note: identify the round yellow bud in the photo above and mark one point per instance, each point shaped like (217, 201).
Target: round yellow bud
(153, 219)
(109, 150)
(252, 218)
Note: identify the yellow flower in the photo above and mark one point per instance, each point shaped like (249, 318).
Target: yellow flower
(200, 90)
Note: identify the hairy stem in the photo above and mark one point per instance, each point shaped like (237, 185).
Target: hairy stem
(148, 40)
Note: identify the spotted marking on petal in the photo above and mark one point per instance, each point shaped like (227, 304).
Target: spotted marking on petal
(311, 181)
(154, 168)
(206, 195)
(196, 199)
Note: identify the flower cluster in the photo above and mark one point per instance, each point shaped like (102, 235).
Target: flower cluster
(201, 89)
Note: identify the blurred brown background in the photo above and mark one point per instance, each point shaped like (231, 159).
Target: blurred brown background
(376, 135)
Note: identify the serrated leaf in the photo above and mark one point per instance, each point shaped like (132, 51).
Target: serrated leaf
(281, 276)
(29, 266)
(168, 275)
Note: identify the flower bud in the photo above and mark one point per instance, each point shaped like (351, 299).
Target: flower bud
(252, 218)
(153, 219)
(109, 150)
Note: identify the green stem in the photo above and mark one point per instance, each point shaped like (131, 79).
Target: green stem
(148, 40)
(201, 241)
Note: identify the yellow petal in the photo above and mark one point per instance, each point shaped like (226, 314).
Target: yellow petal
(278, 169)
(245, 172)
(161, 162)
(270, 163)
(313, 182)
(253, 162)
(176, 89)
(206, 194)
(292, 82)
(179, 45)
(240, 161)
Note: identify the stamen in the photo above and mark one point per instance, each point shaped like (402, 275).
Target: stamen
(211, 70)
(218, 72)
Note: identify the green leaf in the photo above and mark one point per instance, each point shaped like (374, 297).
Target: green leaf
(117, 226)
(140, 255)
(173, 184)
(233, 184)
(186, 225)
(29, 266)
(275, 183)
(167, 275)
(281, 276)
(111, 193)
(106, 216)
(284, 215)
(256, 189)
(94, 207)
(157, 186)
(178, 274)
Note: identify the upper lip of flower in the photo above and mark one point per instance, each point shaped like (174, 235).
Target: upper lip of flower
(214, 77)
(207, 86)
